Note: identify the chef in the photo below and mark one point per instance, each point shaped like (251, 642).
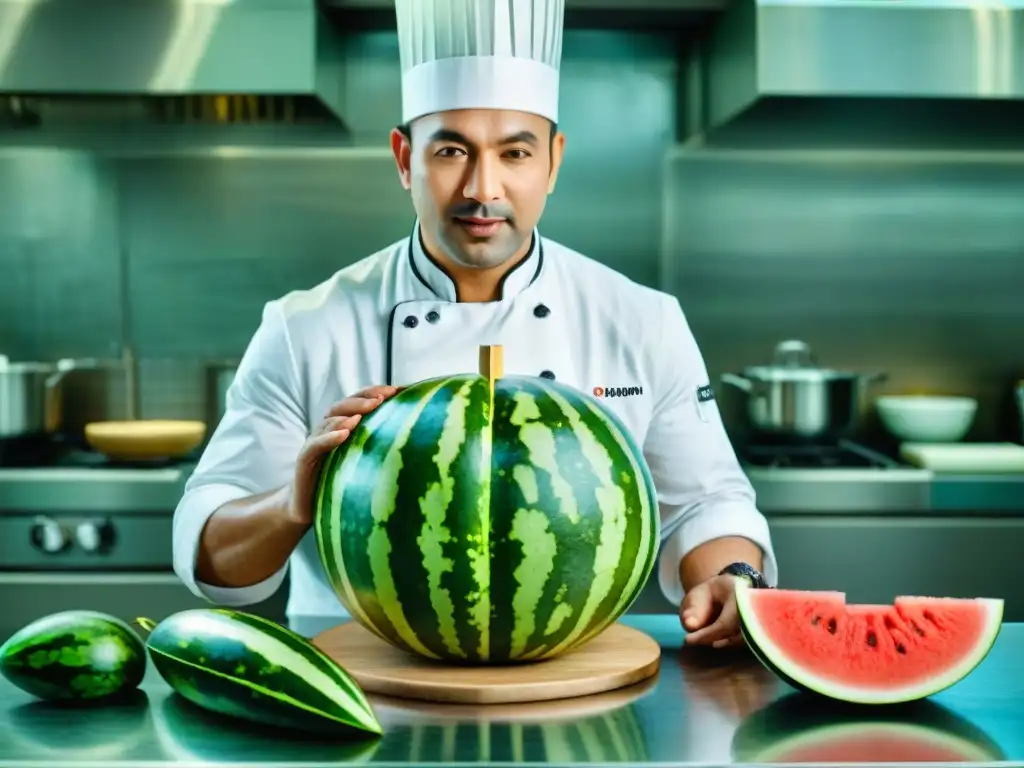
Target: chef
(479, 151)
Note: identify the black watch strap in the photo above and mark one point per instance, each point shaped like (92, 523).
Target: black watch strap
(748, 572)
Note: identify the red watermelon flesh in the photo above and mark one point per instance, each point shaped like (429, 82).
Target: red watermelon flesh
(911, 649)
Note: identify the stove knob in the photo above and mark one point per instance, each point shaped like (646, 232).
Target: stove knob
(49, 536)
(95, 535)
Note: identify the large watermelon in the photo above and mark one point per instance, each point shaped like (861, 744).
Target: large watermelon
(74, 656)
(482, 520)
(238, 664)
(867, 654)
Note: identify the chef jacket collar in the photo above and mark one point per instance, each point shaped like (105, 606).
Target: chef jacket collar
(433, 276)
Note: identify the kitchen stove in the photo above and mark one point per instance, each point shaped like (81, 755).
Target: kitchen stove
(32, 452)
(65, 508)
(840, 477)
(81, 531)
(843, 454)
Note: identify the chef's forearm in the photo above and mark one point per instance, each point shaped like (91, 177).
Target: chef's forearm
(707, 560)
(247, 541)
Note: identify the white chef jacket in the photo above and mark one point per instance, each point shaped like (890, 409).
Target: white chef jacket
(393, 318)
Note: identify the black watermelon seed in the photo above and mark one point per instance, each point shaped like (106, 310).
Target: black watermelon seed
(832, 626)
(872, 639)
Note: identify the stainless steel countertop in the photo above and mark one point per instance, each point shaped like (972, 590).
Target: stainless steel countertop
(703, 708)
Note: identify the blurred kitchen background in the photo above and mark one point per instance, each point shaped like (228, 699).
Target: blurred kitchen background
(849, 177)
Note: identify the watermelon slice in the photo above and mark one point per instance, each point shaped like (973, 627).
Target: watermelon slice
(867, 654)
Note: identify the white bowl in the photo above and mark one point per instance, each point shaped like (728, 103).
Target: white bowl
(927, 418)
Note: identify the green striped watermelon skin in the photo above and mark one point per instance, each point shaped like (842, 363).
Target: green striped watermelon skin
(480, 530)
(74, 656)
(238, 664)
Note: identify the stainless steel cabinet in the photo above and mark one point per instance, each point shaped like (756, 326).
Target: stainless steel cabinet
(873, 558)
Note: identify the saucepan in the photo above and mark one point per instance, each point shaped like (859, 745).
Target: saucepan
(794, 398)
(31, 394)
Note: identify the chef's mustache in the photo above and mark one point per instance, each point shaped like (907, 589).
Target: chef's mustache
(481, 211)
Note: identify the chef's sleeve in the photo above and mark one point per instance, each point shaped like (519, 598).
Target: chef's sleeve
(703, 493)
(252, 450)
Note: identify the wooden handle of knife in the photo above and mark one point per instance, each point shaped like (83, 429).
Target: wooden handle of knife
(491, 363)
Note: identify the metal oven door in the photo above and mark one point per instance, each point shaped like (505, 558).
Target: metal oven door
(114, 562)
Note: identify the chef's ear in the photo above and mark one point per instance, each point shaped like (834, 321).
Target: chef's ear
(557, 152)
(401, 146)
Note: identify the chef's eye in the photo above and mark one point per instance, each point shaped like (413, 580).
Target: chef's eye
(519, 154)
(449, 152)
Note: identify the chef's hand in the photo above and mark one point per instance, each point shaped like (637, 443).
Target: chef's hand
(709, 613)
(337, 425)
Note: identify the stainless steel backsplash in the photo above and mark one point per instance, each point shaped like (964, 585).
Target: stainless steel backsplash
(909, 263)
(883, 260)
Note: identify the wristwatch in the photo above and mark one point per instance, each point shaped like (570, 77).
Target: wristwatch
(748, 572)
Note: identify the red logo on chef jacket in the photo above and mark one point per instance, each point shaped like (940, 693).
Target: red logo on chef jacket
(617, 391)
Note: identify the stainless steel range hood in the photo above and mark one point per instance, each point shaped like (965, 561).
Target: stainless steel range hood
(867, 50)
(120, 54)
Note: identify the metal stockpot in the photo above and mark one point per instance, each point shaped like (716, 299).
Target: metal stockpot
(30, 395)
(795, 399)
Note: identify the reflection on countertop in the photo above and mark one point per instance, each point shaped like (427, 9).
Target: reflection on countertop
(704, 707)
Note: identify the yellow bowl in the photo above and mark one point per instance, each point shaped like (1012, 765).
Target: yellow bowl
(145, 438)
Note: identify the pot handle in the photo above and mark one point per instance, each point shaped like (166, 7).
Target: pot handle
(51, 400)
(68, 364)
(739, 382)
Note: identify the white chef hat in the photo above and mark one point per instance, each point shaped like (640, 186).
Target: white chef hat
(480, 54)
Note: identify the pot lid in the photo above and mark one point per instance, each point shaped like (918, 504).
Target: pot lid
(771, 373)
(793, 360)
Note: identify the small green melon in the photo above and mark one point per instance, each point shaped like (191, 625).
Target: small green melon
(74, 656)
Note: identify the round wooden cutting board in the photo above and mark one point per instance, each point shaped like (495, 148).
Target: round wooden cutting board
(618, 657)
